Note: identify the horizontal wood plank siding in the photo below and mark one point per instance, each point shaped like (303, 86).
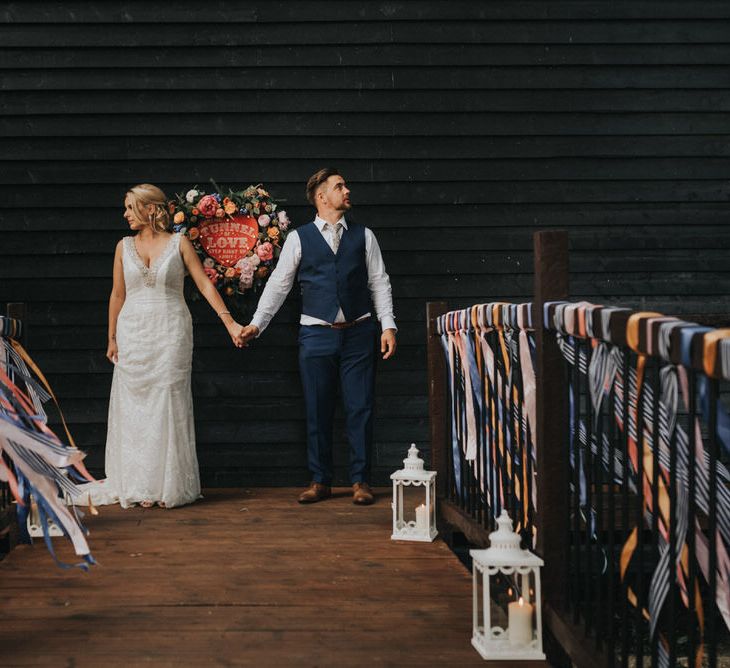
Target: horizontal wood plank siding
(462, 127)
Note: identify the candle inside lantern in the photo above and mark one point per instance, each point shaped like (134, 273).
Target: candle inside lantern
(520, 622)
(422, 518)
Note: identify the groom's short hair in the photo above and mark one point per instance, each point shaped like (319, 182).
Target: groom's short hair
(317, 179)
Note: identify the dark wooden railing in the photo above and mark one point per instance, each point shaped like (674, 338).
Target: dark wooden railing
(648, 490)
(609, 441)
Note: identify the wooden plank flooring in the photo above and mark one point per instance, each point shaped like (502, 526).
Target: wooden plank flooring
(243, 577)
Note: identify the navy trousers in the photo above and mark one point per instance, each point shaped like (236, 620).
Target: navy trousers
(327, 356)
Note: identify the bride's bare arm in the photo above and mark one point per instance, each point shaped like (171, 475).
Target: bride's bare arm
(208, 290)
(116, 301)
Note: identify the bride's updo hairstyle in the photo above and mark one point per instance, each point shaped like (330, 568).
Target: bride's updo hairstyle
(144, 195)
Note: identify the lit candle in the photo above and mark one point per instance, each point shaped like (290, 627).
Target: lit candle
(520, 622)
(422, 518)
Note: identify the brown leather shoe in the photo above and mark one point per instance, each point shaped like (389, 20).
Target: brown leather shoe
(362, 495)
(315, 492)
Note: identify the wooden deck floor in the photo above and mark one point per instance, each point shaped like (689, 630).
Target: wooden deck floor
(244, 577)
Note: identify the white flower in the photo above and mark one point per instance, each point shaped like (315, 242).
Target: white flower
(281, 215)
(191, 195)
(264, 220)
(255, 260)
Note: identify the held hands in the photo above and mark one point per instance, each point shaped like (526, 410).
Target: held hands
(247, 333)
(112, 352)
(387, 343)
(234, 329)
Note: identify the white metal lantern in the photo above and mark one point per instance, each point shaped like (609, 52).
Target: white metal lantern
(35, 527)
(504, 560)
(414, 496)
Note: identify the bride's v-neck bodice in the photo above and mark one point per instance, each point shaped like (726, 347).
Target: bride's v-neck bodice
(163, 279)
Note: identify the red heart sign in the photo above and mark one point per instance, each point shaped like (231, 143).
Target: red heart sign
(227, 240)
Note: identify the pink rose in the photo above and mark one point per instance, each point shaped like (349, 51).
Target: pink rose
(283, 220)
(245, 266)
(246, 280)
(264, 221)
(265, 251)
(208, 205)
(212, 274)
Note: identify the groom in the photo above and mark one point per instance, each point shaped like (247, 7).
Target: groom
(340, 271)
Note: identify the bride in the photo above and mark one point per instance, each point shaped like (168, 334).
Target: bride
(150, 447)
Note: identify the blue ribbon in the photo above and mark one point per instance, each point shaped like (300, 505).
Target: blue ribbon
(455, 453)
(686, 335)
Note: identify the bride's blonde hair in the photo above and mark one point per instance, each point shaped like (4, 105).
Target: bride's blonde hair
(144, 195)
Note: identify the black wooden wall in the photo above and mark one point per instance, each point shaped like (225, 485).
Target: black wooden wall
(461, 126)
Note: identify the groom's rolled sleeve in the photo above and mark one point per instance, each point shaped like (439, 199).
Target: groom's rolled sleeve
(379, 282)
(280, 282)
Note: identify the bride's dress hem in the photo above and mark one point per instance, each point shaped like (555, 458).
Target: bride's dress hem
(102, 493)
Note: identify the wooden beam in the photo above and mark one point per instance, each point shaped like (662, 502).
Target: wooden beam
(437, 395)
(457, 519)
(551, 283)
(572, 639)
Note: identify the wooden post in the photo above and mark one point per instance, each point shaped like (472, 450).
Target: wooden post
(551, 283)
(19, 311)
(437, 395)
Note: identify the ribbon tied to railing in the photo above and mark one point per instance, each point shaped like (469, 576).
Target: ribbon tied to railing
(489, 351)
(680, 346)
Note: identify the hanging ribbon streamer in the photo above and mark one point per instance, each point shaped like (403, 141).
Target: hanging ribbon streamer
(489, 350)
(38, 463)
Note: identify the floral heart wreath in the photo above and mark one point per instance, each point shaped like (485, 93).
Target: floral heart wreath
(238, 237)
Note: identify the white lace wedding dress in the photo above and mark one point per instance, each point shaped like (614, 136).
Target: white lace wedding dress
(150, 446)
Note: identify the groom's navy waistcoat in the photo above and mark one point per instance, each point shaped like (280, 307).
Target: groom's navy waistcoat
(330, 281)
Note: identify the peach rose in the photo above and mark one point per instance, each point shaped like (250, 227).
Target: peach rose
(273, 232)
(179, 218)
(230, 272)
(219, 213)
(194, 233)
(230, 207)
(265, 251)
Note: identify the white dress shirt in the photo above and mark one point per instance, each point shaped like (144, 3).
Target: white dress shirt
(282, 279)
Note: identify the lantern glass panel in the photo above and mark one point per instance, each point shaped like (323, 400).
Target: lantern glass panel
(414, 511)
